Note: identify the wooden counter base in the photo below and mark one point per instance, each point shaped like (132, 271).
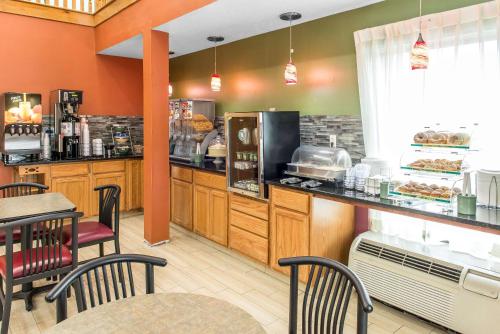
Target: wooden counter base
(77, 180)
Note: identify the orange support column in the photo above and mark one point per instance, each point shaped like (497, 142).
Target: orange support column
(156, 113)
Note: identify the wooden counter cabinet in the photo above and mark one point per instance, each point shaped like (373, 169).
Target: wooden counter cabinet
(210, 206)
(108, 172)
(181, 197)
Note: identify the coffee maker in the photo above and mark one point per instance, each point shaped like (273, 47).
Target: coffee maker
(65, 123)
(21, 125)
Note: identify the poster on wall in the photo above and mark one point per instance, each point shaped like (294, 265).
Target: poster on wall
(22, 108)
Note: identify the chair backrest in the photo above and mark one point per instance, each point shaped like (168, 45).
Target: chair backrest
(109, 205)
(326, 296)
(21, 189)
(42, 249)
(103, 280)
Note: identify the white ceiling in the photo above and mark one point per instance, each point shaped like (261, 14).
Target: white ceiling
(235, 20)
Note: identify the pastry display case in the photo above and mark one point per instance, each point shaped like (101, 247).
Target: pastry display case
(259, 145)
(433, 167)
(323, 163)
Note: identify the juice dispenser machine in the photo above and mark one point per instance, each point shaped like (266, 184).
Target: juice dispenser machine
(21, 125)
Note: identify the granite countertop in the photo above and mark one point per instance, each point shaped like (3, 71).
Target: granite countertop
(206, 165)
(487, 220)
(89, 159)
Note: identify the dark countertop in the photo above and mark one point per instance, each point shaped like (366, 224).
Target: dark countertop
(487, 220)
(46, 162)
(206, 165)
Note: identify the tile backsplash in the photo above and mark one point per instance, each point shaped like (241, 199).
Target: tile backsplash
(316, 130)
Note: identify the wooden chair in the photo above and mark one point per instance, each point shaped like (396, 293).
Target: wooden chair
(108, 276)
(107, 228)
(15, 190)
(326, 297)
(42, 255)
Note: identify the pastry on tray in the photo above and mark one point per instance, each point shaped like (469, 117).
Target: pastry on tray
(442, 138)
(444, 165)
(422, 189)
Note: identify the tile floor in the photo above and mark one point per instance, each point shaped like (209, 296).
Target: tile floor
(197, 265)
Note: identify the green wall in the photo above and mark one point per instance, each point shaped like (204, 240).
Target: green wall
(252, 69)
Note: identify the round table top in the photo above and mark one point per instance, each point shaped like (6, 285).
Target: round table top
(162, 313)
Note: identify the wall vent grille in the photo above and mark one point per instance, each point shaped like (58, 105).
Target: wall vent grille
(450, 273)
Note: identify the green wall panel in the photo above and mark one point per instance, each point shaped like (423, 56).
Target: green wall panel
(252, 69)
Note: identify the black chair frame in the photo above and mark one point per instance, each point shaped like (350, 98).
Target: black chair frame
(44, 232)
(21, 189)
(118, 287)
(331, 285)
(109, 215)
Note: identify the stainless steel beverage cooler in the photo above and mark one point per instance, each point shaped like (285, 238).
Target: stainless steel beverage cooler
(259, 144)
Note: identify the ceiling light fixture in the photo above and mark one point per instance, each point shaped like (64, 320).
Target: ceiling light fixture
(420, 51)
(215, 82)
(290, 69)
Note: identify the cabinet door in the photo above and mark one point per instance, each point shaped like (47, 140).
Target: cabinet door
(218, 217)
(181, 203)
(289, 237)
(201, 205)
(76, 189)
(135, 188)
(104, 179)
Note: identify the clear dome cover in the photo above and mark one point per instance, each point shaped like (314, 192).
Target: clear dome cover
(322, 157)
(319, 162)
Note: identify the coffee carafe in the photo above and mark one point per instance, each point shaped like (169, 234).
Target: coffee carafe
(65, 122)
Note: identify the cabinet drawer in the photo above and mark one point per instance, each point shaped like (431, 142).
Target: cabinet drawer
(290, 199)
(210, 180)
(249, 223)
(250, 206)
(32, 170)
(249, 244)
(108, 166)
(69, 170)
(184, 174)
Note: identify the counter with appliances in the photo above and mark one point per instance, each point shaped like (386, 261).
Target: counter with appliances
(486, 220)
(206, 165)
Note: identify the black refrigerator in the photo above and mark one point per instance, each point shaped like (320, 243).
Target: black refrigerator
(259, 145)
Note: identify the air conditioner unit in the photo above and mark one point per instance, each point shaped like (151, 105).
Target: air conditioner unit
(451, 289)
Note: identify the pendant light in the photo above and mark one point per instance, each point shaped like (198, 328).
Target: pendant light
(290, 69)
(420, 51)
(215, 82)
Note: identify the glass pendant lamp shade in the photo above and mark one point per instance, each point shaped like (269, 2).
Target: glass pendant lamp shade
(419, 58)
(290, 69)
(215, 83)
(419, 54)
(290, 74)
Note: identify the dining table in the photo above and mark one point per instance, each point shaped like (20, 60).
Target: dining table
(15, 208)
(162, 313)
(20, 207)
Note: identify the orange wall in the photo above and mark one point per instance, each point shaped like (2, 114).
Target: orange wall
(39, 55)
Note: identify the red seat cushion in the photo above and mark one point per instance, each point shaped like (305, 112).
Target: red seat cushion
(16, 235)
(17, 260)
(88, 232)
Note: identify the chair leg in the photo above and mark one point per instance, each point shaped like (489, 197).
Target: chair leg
(117, 245)
(3, 296)
(101, 249)
(6, 309)
(28, 301)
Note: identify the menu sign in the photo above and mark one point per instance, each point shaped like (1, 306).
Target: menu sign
(23, 108)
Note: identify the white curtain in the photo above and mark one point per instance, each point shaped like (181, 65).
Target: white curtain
(461, 86)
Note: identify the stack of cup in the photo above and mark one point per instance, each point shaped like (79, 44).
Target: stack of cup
(97, 147)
